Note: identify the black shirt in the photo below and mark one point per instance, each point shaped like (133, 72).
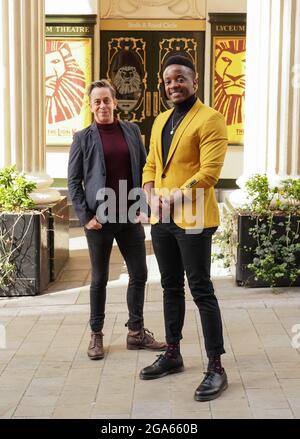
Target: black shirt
(175, 119)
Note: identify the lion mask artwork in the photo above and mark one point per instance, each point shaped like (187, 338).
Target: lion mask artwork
(127, 80)
(230, 80)
(65, 83)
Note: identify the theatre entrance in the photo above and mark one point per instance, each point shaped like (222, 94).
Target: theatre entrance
(133, 59)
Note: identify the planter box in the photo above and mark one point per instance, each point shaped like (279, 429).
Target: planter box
(245, 276)
(44, 247)
(31, 256)
(58, 236)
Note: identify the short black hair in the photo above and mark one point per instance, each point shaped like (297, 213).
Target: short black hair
(180, 60)
(101, 83)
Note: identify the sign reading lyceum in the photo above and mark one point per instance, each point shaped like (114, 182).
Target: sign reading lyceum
(231, 27)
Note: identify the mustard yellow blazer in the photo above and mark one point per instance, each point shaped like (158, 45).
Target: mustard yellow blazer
(195, 160)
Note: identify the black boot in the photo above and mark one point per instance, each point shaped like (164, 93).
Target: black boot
(164, 365)
(212, 386)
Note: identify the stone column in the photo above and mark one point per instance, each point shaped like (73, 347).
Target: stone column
(272, 119)
(22, 95)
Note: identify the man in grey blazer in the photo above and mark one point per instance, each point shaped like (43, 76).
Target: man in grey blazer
(106, 153)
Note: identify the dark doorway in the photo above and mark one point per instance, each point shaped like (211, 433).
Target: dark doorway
(133, 64)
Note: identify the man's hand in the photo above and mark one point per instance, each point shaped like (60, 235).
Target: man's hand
(142, 218)
(153, 200)
(93, 224)
(174, 198)
(155, 206)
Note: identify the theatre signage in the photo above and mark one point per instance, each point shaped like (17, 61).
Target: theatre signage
(228, 66)
(69, 69)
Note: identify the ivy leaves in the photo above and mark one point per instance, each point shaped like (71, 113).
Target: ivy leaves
(14, 197)
(275, 256)
(276, 211)
(274, 229)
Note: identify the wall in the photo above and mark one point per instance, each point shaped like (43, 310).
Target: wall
(71, 7)
(143, 9)
(233, 166)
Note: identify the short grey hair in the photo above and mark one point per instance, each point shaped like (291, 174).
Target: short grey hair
(101, 83)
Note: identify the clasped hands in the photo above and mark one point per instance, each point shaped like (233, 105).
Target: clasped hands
(162, 206)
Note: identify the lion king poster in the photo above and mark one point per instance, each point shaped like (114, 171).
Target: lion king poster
(68, 73)
(228, 92)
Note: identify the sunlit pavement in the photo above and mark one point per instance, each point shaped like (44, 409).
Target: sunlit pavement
(45, 372)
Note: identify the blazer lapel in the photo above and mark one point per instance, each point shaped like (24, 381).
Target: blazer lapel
(161, 122)
(180, 130)
(96, 139)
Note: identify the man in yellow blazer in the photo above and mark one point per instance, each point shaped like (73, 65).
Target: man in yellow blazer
(186, 155)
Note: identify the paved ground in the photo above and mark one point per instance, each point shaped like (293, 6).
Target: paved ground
(45, 372)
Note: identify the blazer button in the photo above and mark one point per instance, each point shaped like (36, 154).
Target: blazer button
(103, 173)
(163, 176)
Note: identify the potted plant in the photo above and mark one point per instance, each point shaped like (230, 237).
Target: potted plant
(24, 259)
(265, 234)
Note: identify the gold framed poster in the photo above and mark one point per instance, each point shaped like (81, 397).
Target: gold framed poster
(228, 72)
(68, 72)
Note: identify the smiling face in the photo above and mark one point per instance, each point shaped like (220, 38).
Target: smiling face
(102, 104)
(180, 83)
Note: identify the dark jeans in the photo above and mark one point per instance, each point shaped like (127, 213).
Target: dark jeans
(176, 253)
(131, 241)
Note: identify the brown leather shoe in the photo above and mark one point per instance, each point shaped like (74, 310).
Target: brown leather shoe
(144, 339)
(95, 350)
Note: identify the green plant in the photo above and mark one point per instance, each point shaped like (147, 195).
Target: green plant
(224, 241)
(7, 273)
(275, 254)
(14, 198)
(275, 212)
(15, 190)
(290, 192)
(259, 194)
(277, 242)
(263, 198)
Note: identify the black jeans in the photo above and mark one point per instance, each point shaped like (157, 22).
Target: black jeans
(131, 241)
(177, 252)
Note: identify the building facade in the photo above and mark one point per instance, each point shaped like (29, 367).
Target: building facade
(127, 40)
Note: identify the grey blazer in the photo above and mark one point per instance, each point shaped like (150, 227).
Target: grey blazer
(86, 169)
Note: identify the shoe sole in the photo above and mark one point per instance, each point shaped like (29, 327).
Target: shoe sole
(97, 357)
(153, 377)
(210, 397)
(136, 348)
